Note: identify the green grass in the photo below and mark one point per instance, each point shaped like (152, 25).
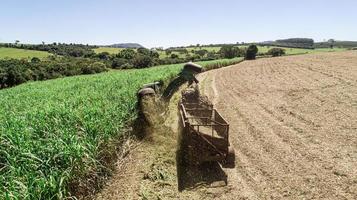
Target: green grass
(57, 131)
(110, 50)
(21, 53)
(216, 49)
(295, 51)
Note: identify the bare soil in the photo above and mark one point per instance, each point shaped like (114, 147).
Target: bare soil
(293, 124)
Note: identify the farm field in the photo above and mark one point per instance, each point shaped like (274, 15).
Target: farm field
(61, 130)
(293, 123)
(110, 50)
(288, 51)
(21, 53)
(262, 49)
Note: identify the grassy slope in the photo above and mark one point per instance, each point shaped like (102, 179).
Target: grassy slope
(21, 53)
(110, 50)
(54, 131)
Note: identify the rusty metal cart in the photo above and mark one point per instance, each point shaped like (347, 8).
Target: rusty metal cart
(206, 134)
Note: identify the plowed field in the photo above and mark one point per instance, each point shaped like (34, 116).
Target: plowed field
(293, 125)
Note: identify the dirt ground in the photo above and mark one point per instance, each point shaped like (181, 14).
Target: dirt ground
(293, 123)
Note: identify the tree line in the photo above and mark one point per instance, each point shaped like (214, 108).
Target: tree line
(72, 50)
(14, 71)
(304, 43)
(86, 61)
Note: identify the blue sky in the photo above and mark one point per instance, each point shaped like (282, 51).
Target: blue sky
(167, 23)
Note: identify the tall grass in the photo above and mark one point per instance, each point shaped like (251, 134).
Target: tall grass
(55, 132)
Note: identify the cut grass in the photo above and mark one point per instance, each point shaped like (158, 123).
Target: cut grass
(21, 53)
(59, 131)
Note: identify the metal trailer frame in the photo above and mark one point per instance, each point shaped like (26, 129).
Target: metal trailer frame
(207, 134)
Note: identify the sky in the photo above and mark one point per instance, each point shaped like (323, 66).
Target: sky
(166, 23)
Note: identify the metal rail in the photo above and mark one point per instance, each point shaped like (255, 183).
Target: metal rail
(222, 127)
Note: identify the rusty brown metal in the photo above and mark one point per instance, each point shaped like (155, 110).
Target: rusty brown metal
(207, 133)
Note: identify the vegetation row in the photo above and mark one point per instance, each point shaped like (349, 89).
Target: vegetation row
(61, 133)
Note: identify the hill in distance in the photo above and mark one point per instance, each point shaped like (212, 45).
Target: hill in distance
(127, 45)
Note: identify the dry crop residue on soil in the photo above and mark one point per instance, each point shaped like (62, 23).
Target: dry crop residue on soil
(293, 123)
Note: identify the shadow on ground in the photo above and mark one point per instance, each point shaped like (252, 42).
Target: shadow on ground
(208, 174)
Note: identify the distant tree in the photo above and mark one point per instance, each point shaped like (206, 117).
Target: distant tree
(14, 77)
(201, 52)
(168, 52)
(35, 60)
(229, 51)
(103, 56)
(174, 56)
(331, 43)
(142, 61)
(95, 67)
(75, 52)
(296, 42)
(127, 54)
(119, 62)
(251, 52)
(17, 42)
(276, 52)
(154, 54)
(3, 77)
(143, 51)
(211, 55)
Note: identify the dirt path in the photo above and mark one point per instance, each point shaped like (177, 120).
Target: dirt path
(293, 125)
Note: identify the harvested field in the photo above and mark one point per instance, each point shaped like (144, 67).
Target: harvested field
(293, 123)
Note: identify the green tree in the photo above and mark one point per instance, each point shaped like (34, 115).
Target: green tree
(142, 61)
(174, 56)
(251, 52)
(331, 43)
(35, 60)
(229, 51)
(201, 52)
(95, 67)
(168, 52)
(127, 54)
(154, 54)
(103, 55)
(119, 62)
(143, 51)
(276, 52)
